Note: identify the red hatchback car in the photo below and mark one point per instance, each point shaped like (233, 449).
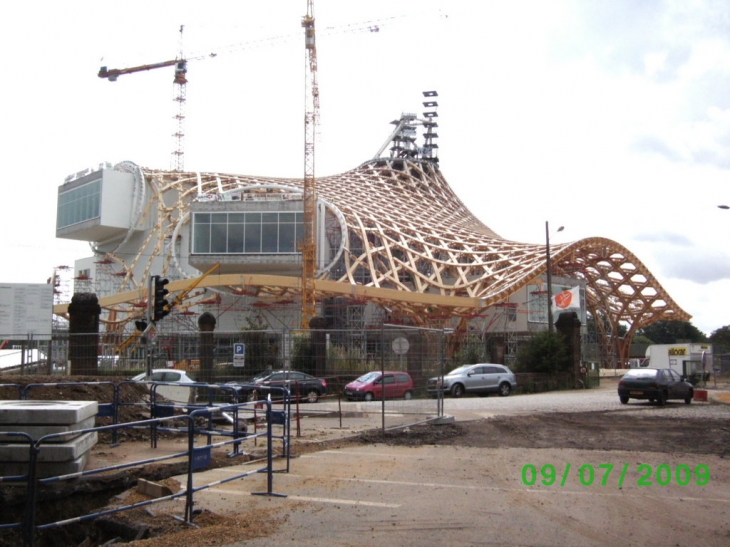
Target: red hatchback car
(372, 385)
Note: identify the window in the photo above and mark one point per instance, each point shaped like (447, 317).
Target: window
(79, 205)
(389, 379)
(247, 233)
(403, 378)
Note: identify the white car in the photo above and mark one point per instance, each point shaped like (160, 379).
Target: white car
(173, 393)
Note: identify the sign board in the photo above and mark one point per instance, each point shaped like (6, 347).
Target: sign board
(239, 355)
(26, 309)
(400, 345)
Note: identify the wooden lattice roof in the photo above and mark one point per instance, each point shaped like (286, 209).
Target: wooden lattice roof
(407, 231)
(407, 242)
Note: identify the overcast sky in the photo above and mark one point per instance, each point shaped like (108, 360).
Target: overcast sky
(610, 118)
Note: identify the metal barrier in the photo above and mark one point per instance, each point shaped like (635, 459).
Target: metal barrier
(197, 458)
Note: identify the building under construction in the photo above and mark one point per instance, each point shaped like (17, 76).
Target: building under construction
(393, 243)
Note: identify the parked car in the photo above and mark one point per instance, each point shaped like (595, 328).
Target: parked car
(654, 384)
(169, 375)
(482, 378)
(302, 385)
(373, 385)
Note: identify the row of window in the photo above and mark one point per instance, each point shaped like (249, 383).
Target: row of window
(238, 233)
(79, 205)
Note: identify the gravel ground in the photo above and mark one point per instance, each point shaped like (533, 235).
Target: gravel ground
(482, 424)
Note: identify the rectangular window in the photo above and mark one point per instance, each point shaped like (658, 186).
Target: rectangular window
(79, 205)
(253, 238)
(246, 233)
(218, 237)
(235, 235)
(201, 237)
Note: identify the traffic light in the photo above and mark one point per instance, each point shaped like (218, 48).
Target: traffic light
(160, 305)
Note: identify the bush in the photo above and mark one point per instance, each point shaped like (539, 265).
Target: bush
(547, 352)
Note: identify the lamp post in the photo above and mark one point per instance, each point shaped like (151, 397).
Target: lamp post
(549, 276)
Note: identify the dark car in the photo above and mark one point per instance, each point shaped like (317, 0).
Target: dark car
(301, 386)
(654, 384)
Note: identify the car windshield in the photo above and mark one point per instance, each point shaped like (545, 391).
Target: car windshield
(369, 377)
(461, 370)
(262, 376)
(641, 373)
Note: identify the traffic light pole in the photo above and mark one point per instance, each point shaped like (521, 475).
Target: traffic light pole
(148, 326)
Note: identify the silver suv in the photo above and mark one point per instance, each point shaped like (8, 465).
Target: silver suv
(481, 378)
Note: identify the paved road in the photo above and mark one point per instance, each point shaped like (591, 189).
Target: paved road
(450, 495)
(590, 400)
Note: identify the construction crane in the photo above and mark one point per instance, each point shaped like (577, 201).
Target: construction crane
(180, 83)
(311, 119)
(180, 63)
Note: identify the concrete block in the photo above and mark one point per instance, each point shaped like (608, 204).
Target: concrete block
(45, 469)
(46, 412)
(38, 431)
(152, 489)
(51, 452)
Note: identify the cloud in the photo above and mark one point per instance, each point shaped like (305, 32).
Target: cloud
(655, 145)
(701, 266)
(654, 38)
(665, 238)
(703, 141)
(678, 257)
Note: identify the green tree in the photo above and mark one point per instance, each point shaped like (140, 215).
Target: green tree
(546, 352)
(302, 358)
(641, 339)
(671, 332)
(721, 337)
(262, 348)
(471, 352)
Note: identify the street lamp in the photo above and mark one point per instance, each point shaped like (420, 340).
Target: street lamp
(549, 275)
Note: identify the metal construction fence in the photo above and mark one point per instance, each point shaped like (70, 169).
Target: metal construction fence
(198, 457)
(339, 356)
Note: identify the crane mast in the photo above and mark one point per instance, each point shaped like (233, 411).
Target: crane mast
(177, 162)
(311, 119)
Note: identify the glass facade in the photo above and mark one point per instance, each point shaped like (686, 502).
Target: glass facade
(79, 205)
(247, 233)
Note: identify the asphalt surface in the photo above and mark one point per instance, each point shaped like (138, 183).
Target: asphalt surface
(358, 416)
(416, 496)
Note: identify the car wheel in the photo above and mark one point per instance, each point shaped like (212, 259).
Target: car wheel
(688, 398)
(408, 396)
(504, 389)
(623, 400)
(457, 391)
(312, 396)
(662, 398)
(369, 397)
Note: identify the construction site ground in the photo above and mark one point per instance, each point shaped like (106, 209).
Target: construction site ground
(485, 479)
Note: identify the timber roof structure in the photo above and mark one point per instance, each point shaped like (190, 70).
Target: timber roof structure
(398, 236)
(407, 241)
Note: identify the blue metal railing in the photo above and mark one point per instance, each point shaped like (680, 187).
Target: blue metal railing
(195, 462)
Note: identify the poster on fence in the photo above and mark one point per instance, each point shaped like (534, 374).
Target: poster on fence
(26, 308)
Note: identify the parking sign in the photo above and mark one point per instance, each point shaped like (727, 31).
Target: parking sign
(239, 355)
